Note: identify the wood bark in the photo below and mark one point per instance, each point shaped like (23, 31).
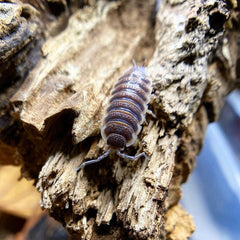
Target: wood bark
(59, 61)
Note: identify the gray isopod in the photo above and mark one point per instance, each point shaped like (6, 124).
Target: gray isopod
(125, 113)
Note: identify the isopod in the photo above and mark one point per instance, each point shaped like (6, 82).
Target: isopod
(125, 113)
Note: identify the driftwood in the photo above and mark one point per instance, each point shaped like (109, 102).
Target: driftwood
(58, 64)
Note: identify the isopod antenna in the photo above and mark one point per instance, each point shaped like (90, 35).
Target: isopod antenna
(94, 160)
(133, 158)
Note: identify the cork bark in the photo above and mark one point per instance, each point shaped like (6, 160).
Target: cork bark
(59, 61)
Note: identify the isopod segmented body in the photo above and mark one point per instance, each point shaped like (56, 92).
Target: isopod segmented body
(125, 112)
(127, 108)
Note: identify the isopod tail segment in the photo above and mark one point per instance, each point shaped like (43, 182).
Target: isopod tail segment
(135, 64)
(122, 155)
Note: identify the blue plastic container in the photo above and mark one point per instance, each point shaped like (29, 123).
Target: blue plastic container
(212, 193)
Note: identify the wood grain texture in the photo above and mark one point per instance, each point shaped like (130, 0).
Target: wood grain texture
(55, 112)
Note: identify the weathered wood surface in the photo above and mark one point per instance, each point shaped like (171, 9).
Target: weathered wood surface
(72, 56)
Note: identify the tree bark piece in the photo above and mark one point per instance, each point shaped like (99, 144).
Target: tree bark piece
(180, 229)
(60, 104)
(18, 198)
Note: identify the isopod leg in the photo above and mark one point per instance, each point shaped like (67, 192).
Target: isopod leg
(93, 161)
(150, 112)
(133, 158)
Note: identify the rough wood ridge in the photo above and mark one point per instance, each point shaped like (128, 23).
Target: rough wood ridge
(58, 62)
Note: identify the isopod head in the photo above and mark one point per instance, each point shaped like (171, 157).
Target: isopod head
(116, 141)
